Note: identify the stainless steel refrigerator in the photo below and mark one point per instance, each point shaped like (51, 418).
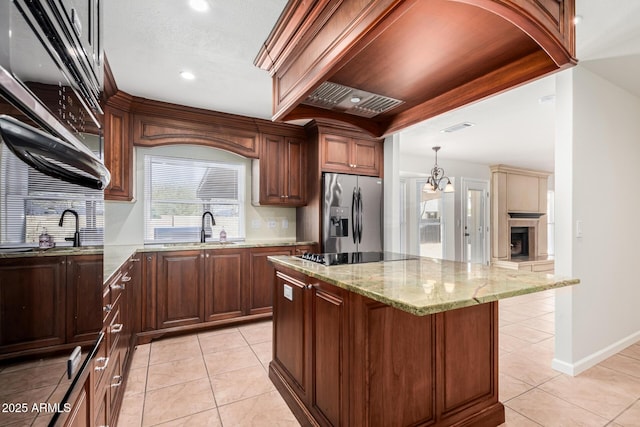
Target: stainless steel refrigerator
(351, 213)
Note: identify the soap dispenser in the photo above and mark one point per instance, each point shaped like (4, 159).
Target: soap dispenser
(223, 235)
(45, 240)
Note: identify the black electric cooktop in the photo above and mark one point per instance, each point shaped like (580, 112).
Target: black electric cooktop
(353, 257)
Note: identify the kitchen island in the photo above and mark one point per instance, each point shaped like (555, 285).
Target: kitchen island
(409, 342)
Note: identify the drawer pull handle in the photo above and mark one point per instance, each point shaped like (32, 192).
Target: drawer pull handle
(135, 259)
(104, 360)
(125, 278)
(107, 308)
(117, 328)
(115, 286)
(118, 378)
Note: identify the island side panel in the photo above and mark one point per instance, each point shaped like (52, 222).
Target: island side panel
(467, 365)
(393, 366)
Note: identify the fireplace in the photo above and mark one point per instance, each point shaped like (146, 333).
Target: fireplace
(523, 238)
(519, 242)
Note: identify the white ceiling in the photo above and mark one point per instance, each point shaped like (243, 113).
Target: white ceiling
(148, 43)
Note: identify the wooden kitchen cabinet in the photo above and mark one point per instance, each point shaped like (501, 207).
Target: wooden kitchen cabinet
(84, 294)
(330, 340)
(290, 350)
(344, 154)
(310, 341)
(49, 301)
(260, 292)
(282, 171)
(180, 288)
(32, 303)
(260, 298)
(224, 276)
(227, 285)
(118, 148)
(339, 356)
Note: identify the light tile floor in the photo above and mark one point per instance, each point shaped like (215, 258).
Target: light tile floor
(219, 378)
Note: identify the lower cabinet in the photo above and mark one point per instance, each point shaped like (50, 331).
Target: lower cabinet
(180, 288)
(340, 359)
(188, 289)
(48, 301)
(310, 339)
(223, 278)
(260, 283)
(80, 413)
(112, 361)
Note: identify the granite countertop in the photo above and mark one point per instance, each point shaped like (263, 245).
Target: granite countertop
(426, 285)
(116, 255)
(27, 252)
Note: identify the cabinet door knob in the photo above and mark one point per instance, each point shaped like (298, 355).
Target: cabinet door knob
(115, 286)
(136, 259)
(125, 278)
(107, 308)
(311, 286)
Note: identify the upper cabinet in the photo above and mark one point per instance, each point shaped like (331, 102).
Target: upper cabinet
(343, 154)
(280, 172)
(383, 65)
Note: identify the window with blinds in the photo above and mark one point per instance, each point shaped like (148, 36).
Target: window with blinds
(178, 191)
(31, 203)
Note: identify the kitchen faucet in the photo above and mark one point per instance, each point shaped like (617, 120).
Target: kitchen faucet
(213, 222)
(76, 236)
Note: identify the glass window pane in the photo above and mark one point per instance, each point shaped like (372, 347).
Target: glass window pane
(178, 191)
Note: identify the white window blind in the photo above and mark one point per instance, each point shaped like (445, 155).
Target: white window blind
(32, 202)
(178, 191)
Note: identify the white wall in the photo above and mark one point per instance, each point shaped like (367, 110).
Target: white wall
(124, 221)
(596, 179)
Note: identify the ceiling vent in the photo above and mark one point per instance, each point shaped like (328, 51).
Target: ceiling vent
(457, 127)
(333, 96)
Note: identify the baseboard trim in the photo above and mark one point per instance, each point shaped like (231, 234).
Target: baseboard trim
(593, 359)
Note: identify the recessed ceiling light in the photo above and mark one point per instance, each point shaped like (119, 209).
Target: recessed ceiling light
(187, 75)
(457, 127)
(199, 5)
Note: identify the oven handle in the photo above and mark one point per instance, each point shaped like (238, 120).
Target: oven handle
(35, 148)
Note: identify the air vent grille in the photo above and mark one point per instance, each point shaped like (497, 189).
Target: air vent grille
(375, 105)
(337, 97)
(328, 94)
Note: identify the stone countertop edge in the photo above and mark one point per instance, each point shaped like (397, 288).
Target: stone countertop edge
(116, 255)
(426, 285)
(55, 251)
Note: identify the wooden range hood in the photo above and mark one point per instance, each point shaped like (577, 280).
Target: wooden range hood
(418, 58)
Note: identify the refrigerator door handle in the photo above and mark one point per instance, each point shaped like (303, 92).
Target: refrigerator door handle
(360, 216)
(354, 216)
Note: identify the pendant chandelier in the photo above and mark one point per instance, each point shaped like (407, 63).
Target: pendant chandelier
(437, 179)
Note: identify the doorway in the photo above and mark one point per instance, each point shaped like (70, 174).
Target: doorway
(475, 206)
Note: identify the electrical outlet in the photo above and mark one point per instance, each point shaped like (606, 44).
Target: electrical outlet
(272, 223)
(256, 223)
(288, 292)
(285, 223)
